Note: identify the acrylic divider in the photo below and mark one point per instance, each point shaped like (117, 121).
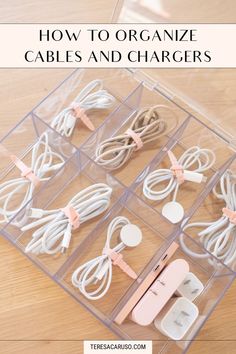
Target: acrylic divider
(67, 92)
(121, 119)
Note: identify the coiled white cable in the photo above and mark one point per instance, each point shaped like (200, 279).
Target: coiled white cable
(92, 97)
(147, 126)
(44, 161)
(55, 233)
(218, 237)
(97, 273)
(194, 161)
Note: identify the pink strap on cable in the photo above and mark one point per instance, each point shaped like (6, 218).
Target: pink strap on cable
(80, 114)
(25, 170)
(230, 214)
(117, 260)
(176, 168)
(136, 138)
(72, 215)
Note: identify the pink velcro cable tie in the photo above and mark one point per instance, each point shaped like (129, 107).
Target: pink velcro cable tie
(230, 214)
(176, 168)
(117, 260)
(136, 138)
(80, 114)
(72, 215)
(25, 170)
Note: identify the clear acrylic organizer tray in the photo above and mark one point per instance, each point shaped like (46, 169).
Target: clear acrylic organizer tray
(79, 170)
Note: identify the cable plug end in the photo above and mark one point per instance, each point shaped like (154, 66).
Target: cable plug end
(48, 168)
(70, 121)
(36, 213)
(195, 177)
(66, 240)
(102, 271)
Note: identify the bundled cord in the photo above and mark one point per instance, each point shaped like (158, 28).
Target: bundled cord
(98, 271)
(57, 225)
(193, 162)
(44, 161)
(189, 167)
(219, 237)
(92, 97)
(147, 126)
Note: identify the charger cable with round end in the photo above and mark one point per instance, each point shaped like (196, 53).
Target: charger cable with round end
(92, 97)
(219, 237)
(98, 271)
(57, 225)
(44, 161)
(190, 167)
(147, 126)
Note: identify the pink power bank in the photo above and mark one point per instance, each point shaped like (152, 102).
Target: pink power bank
(160, 292)
(146, 283)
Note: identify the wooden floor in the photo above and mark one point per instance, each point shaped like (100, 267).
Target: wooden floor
(36, 316)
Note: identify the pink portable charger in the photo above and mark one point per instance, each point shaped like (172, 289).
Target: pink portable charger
(160, 292)
(146, 283)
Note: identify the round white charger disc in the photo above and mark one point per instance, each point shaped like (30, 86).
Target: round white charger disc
(173, 211)
(131, 235)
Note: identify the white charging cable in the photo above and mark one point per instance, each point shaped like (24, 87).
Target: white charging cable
(190, 167)
(93, 279)
(57, 225)
(92, 97)
(147, 126)
(219, 237)
(44, 161)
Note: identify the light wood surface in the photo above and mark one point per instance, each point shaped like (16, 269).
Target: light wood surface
(36, 315)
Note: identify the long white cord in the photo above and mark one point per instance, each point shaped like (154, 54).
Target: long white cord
(44, 161)
(194, 161)
(92, 97)
(147, 126)
(55, 233)
(96, 274)
(218, 237)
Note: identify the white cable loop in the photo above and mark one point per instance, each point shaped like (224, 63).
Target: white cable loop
(55, 233)
(92, 97)
(218, 237)
(194, 161)
(148, 125)
(44, 161)
(96, 274)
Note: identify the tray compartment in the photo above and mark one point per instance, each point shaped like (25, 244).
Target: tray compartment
(31, 134)
(121, 119)
(216, 280)
(191, 133)
(156, 231)
(67, 91)
(209, 210)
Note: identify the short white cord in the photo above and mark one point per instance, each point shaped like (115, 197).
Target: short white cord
(194, 162)
(147, 126)
(44, 161)
(218, 237)
(97, 273)
(92, 97)
(55, 233)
